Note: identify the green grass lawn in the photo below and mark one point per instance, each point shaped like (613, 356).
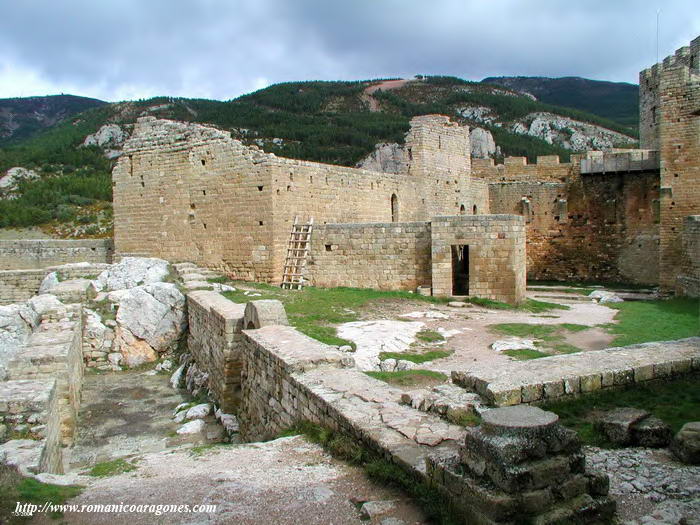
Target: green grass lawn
(675, 402)
(530, 305)
(550, 335)
(662, 320)
(315, 311)
(415, 357)
(413, 377)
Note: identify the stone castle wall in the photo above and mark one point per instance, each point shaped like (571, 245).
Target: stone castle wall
(40, 253)
(496, 255)
(384, 256)
(188, 192)
(591, 227)
(689, 278)
(669, 106)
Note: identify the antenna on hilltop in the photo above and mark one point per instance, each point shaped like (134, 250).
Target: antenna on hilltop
(658, 13)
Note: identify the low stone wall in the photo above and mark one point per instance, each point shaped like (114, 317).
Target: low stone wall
(689, 279)
(54, 350)
(555, 377)
(40, 253)
(17, 286)
(214, 340)
(29, 411)
(383, 256)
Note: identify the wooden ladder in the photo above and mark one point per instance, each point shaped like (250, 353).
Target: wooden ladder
(297, 253)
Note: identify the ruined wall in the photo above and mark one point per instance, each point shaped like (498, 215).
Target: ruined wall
(40, 253)
(19, 285)
(214, 340)
(689, 278)
(496, 255)
(187, 192)
(382, 256)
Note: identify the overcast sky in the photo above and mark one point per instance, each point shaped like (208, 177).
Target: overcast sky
(126, 49)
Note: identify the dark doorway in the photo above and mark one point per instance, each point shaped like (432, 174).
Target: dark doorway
(460, 269)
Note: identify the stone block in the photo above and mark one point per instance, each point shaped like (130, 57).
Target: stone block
(686, 443)
(617, 424)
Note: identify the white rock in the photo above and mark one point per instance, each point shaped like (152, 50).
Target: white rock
(372, 509)
(482, 144)
(604, 296)
(154, 313)
(386, 158)
(402, 364)
(180, 407)
(45, 303)
(373, 337)
(49, 282)
(176, 378)
(17, 321)
(107, 135)
(193, 427)
(513, 344)
(199, 411)
(166, 365)
(180, 416)
(115, 358)
(131, 272)
(429, 314)
(387, 365)
(10, 181)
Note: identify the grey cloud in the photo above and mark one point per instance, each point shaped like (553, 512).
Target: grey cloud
(220, 48)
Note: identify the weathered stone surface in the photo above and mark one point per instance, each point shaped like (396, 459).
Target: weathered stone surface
(134, 351)
(651, 432)
(515, 343)
(603, 296)
(131, 272)
(482, 144)
(267, 312)
(193, 427)
(49, 282)
(617, 424)
(154, 313)
(16, 324)
(10, 181)
(372, 509)
(199, 411)
(686, 443)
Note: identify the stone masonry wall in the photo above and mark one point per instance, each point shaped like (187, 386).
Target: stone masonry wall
(496, 255)
(689, 279)
(35, 254)
(19, 285)
(214, 340)
(591, 227)
(385, 256)
(188, 192)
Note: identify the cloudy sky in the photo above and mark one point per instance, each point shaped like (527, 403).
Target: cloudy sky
(125, 49)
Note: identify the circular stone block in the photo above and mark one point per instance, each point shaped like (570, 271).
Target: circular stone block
(518, 421)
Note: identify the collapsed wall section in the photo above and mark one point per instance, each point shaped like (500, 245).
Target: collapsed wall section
(384, 256)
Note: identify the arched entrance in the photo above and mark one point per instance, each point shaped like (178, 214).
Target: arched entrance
(394, 208)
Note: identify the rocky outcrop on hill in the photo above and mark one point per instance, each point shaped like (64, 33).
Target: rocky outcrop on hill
(110, 138)
(386, 158)
(482, 144)
(12, 178)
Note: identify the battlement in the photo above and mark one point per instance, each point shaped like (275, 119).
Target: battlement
(686, 56)
(619, 161)
(542, 160)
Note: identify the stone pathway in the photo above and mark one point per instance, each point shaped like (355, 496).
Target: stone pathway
(125, 414)
(287, 481)
(641, 478)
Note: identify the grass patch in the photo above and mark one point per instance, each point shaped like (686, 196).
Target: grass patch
(200, 450)
(578, 291)
(524, 354)
(466, 419)
(409, 377)
(16, 488)
(676, 402)
(111, 468)
(314, 311)
(661, 320)
(429, 336)
(219, 280)
(436, 507)
(551, 336)
(415, 357)
(529, 305)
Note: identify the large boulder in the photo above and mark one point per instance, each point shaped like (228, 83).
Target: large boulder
(150, 319)
(17, 321)
(131, 272)
(686, 444)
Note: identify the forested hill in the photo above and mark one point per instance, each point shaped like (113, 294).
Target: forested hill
(617, 101)
(332, 122)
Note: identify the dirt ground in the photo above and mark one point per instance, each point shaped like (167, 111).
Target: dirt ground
(472, 343)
